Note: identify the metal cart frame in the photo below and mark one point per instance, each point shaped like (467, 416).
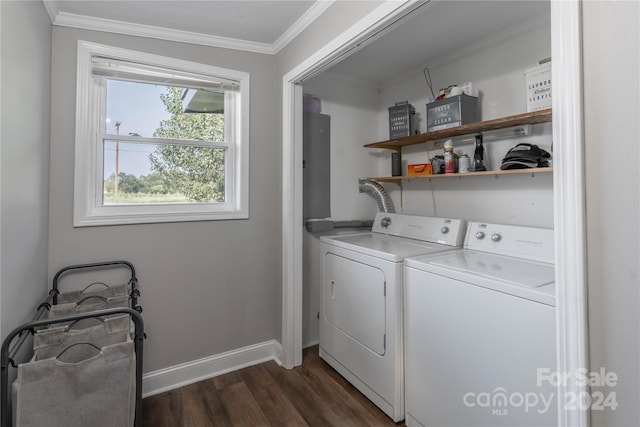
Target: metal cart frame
(7, 354)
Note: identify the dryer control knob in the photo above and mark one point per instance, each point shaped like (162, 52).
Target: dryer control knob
(444, 230)
(385, 222)
(496, 237)
(480, 235)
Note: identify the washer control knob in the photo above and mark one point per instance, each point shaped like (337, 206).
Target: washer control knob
(444, 230)
(496, 237)
(480, 235)
(385, 222)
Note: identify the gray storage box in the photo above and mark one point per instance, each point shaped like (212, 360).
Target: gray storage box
(451, 112)
(401, 120)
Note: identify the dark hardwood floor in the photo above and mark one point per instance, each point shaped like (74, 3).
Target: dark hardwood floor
(267, 395)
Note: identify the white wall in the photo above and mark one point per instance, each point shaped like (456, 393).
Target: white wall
(359, 111)
(611, 49)
(496, 66)
(207, 287)
(24, 190)
(352, 105)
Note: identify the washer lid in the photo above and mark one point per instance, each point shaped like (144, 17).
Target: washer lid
(531, 274)
(383, 246)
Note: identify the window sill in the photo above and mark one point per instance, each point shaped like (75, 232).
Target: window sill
(122, 218)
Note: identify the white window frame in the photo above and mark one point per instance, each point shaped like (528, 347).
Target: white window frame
(88, 174)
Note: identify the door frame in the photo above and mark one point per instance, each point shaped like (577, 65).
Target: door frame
(569, 186)
(569, 208)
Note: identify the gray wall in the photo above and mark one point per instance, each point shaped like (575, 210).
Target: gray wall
(207, 287)
(24, 153)
(612, 134)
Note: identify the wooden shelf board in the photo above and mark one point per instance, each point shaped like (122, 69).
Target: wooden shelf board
(531, 171)
(532, 118)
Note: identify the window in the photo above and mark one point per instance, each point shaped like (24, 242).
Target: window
(158, 139)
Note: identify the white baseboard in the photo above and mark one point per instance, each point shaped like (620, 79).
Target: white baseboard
(208, 367)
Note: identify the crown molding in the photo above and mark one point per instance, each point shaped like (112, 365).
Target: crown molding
(52, 9)
(303, 22)
(71, 20)
(119, 27)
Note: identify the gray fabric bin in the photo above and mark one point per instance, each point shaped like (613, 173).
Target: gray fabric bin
(81, 387)
(87, 304)
(94, 289)
(85, 370)
(78, 376)
(50, 342)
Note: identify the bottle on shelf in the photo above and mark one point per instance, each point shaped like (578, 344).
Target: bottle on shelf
(449, 158)
(464, 164)
(478, 155)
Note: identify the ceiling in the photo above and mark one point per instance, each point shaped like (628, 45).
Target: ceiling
(254, 25)
(436, 31)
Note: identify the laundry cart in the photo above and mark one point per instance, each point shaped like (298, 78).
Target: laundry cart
(83, 366)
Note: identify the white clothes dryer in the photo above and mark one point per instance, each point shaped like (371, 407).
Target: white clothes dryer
(361, 304)
(480, 331)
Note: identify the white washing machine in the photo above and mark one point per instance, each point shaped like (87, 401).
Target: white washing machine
(480, 331)
(361, 304)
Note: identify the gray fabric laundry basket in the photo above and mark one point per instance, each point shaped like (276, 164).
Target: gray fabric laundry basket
(51, 342)
(86, 368)
(81, 386)
(94, 289)
(87, 304)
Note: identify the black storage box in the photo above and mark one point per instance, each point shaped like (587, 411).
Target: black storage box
(401, 120)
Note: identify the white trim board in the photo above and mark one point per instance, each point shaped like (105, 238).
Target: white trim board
(208, 367)
(569, 208)
(317, 9)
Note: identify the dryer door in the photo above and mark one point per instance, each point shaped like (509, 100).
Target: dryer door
(354, 301)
